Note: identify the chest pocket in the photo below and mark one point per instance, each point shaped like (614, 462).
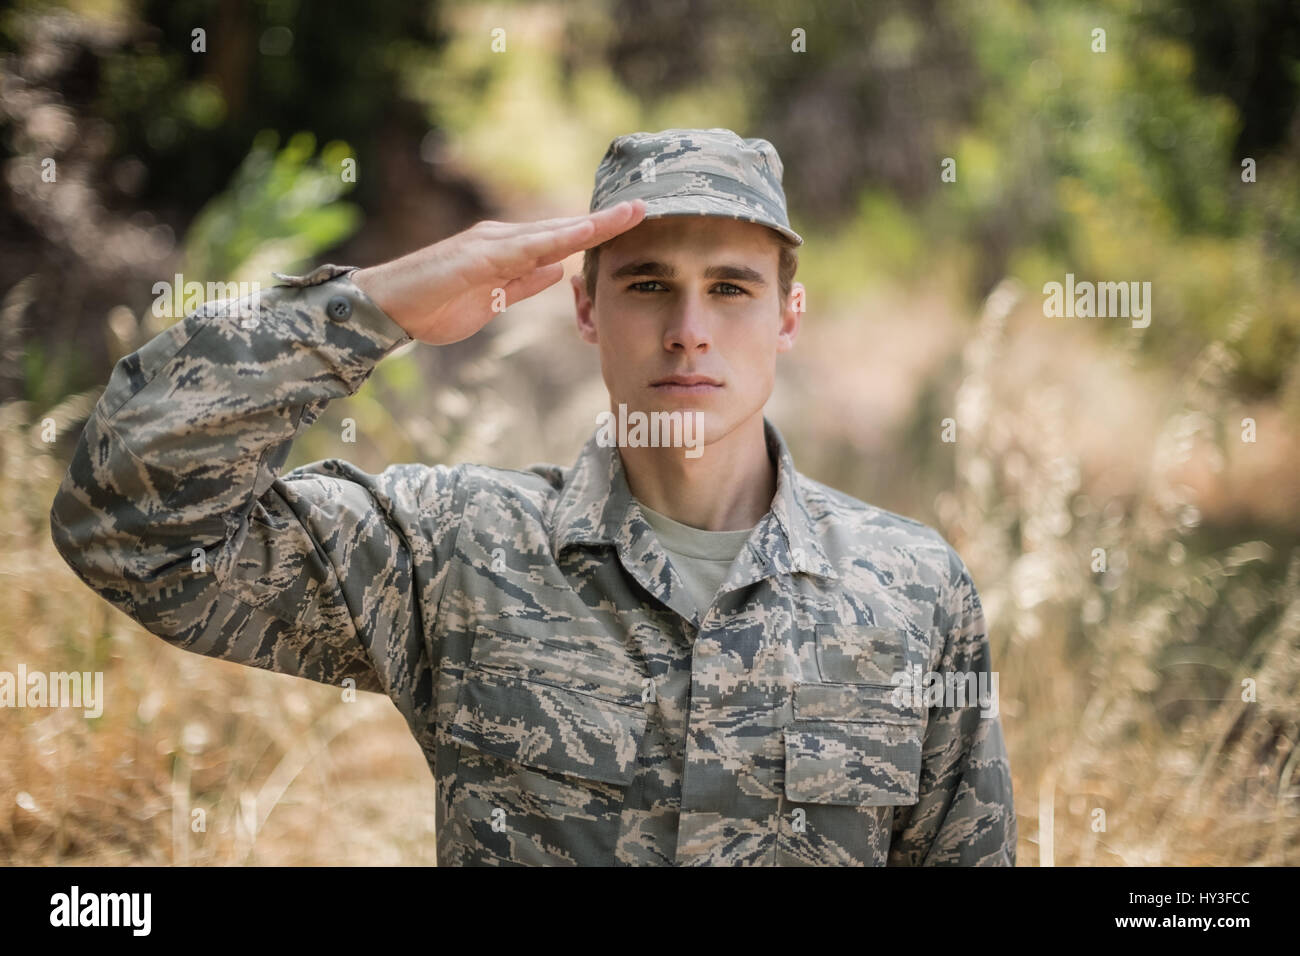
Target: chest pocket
(854, 740)
(549, 734)
(550, 705)
(853, 749)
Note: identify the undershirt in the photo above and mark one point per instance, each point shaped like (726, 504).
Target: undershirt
(700, 558)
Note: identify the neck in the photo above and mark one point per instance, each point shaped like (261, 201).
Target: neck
(728, 488)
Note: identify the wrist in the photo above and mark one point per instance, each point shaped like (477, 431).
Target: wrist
(367, 282)
(371, 281)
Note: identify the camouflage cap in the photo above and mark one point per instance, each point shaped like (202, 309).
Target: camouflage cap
(695, 172)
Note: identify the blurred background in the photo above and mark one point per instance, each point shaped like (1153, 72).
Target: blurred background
(134, 148)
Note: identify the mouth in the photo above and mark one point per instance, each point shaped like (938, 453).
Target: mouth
(686, 384)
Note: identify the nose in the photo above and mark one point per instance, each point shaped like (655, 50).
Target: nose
(688, 326)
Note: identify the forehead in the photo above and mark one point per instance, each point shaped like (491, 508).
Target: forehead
(684, 237)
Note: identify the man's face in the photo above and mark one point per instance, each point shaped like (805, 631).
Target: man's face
(692, 297)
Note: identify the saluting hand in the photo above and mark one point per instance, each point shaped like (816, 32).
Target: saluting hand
(447, 291)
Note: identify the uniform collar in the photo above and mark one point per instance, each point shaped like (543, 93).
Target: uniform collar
(596, 508)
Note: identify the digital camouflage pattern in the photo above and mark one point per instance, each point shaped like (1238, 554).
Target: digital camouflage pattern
(572, 706)
(695, 172)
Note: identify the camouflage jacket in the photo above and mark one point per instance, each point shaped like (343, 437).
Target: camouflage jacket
(573, 706)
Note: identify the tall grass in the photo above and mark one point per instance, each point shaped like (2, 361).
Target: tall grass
(1130, 739)
(1121, 689)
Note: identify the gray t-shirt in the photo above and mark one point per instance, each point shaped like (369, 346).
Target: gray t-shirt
(701, 558)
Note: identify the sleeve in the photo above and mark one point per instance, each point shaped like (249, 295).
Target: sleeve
(173, 510)
(965, 814)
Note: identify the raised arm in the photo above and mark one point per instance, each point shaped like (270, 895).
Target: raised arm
(173, 507)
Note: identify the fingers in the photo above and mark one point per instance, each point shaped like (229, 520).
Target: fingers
(610, 222)
(534, 282)
(552, 245)
(503, 230)
(507, 229)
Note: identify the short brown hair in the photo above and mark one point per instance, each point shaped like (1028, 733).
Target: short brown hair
(785, 269)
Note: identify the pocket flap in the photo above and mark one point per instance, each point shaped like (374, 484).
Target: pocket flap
(564, 664)
(548, 727)
(860, 654)
(865, 703)
(855, 764)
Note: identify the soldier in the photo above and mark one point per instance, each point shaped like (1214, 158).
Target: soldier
(648, 658)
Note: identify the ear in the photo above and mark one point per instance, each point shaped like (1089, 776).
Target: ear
(582, 306)
(790, 317)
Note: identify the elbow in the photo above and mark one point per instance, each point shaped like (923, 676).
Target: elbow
(86, 540)
(77, 539)
(69, 530)
(85, 533)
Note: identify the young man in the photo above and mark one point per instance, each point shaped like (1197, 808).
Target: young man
(649, 658)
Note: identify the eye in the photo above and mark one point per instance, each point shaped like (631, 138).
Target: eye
(731, 295)
(635, 286)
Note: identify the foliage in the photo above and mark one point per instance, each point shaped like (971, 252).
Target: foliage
(280, 207)
(1122, 688)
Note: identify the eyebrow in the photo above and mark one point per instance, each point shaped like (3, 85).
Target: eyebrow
(662, 270)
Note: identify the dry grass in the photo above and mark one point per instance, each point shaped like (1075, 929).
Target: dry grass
(1120, 690)
(1123, 690)
(283, 770)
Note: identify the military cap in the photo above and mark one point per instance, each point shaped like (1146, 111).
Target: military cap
(695, 172)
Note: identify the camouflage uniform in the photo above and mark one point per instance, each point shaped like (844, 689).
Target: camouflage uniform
(573, 705)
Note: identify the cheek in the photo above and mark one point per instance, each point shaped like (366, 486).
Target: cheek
(622, 354)
(616, 344)
(759, 373)
(755, 353)
(631, 338)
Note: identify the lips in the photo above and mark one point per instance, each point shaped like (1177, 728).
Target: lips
(686, 381)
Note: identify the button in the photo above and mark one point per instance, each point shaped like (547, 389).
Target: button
(338, 308)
